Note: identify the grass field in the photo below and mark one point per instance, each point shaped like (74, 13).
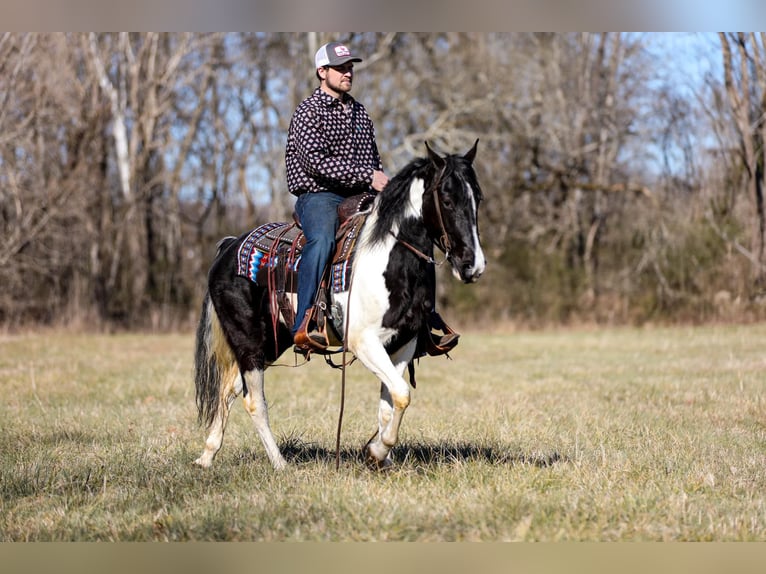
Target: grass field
(599, 435)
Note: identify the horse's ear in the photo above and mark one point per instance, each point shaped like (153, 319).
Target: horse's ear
(435, 158)
(471, 153)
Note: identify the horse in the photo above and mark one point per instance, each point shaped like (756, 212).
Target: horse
(432, 202)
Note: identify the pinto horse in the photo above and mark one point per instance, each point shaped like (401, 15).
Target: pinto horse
(433, 201)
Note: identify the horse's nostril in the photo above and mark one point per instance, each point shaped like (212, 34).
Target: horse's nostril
(471, 273)
(467, 273)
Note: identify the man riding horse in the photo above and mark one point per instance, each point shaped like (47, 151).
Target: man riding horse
(331, 154)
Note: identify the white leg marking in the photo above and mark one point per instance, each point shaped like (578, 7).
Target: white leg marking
(229, 391)
(255, 405)
(389, 413)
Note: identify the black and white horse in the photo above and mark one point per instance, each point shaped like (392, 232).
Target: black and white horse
(433, 201)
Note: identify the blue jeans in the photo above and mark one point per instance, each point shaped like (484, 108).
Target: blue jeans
(318, 214)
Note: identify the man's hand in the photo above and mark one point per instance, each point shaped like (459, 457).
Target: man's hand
(379, 180)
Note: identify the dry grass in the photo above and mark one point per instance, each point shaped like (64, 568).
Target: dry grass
(573, 435)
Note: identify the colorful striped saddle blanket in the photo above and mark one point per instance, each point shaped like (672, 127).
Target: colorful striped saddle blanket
(270, 254)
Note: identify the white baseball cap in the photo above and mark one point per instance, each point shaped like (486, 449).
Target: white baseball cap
(334, 54)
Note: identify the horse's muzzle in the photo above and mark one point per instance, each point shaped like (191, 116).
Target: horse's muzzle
(469, 271)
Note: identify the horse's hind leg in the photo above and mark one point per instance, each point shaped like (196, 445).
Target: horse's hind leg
(254, 348)
(255, 405)
(231, 386)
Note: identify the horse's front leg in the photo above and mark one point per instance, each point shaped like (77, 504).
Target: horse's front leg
(394, 395)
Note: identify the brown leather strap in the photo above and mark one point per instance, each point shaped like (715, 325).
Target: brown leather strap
(444, 242)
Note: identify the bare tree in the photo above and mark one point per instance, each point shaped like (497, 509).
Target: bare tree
(50, 136)
(124, 157)
(744, 61)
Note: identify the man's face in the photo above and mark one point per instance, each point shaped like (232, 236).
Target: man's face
(339, 78)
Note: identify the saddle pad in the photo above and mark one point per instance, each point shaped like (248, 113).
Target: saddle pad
(342, 263)
(255, 251)
(262, 247)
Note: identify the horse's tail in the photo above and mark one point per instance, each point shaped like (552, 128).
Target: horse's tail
(214, 364)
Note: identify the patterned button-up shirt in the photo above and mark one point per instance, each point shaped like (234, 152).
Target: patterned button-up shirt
(330, 147)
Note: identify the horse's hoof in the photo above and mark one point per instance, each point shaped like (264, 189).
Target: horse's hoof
(379, 465)
(203, 463)
(375, 463)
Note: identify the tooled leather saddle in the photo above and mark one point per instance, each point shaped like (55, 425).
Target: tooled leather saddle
(270, 255)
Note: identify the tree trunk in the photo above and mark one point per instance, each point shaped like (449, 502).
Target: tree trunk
(739, 88)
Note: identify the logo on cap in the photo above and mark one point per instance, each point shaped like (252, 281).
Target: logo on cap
(341, 51)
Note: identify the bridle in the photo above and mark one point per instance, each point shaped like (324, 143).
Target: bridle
(443, 242)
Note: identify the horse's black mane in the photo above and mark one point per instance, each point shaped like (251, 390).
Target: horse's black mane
(393, 199)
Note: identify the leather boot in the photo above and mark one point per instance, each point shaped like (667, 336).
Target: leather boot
(308, 337)
(440, 344)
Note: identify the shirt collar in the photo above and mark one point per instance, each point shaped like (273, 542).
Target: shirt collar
(328, 100)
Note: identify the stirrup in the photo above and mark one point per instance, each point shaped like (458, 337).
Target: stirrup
(310, 340)
(440, 344)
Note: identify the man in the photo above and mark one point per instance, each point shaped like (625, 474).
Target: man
(331, 155)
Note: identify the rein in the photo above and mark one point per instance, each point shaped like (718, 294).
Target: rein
(343, 373)
(342, 382)
(418, 252)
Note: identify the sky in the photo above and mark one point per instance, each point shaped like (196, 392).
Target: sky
(692, 55)
(400, 15)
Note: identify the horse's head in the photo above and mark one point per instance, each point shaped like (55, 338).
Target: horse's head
(450, 210)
